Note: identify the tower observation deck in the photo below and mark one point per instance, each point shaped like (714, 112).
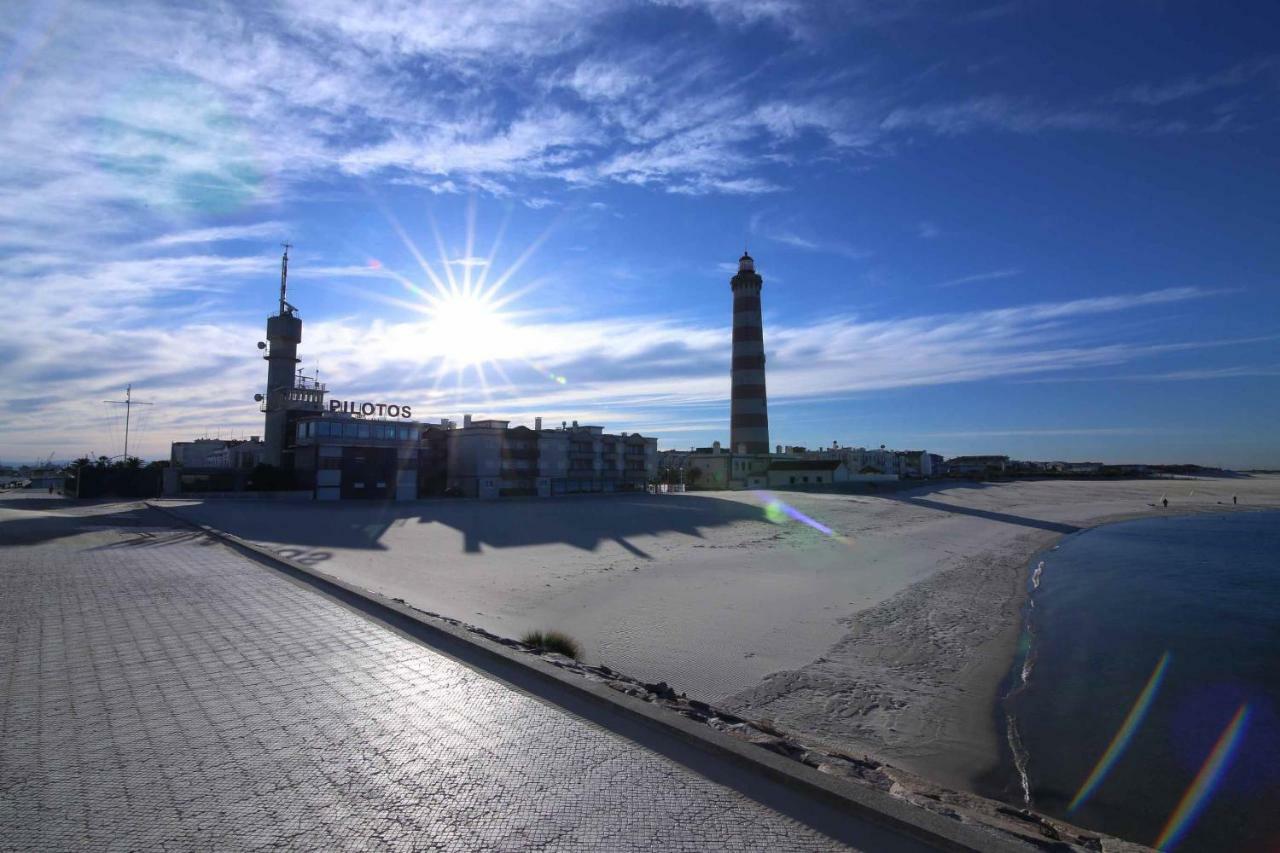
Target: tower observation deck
(748, 408)
(286, 391)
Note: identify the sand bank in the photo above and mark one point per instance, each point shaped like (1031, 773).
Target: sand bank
(890, 639)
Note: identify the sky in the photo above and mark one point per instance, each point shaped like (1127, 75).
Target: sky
(1035, 228)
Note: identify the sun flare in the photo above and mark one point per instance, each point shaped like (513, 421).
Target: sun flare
(467, 328)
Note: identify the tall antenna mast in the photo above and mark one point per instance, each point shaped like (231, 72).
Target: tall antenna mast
(128, 402)
(284, 276)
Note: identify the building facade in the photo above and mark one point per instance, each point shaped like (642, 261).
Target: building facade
(342, 457)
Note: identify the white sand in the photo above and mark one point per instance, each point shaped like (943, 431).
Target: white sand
(892, 642)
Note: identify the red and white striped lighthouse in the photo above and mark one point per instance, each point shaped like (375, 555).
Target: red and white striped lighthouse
(748, 409)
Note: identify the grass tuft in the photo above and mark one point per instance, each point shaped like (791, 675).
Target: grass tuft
(553, 641)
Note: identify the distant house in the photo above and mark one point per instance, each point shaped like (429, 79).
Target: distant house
(970, 466)
(807, 472)
(217, 453)
(915, 464)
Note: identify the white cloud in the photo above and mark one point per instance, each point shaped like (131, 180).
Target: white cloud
(788, 233)
(1019, 115)
(980, 276)
(117, 323)
(220, 234)
(210, 111)
(452, 28)
(1158, 94)
(1007, 433)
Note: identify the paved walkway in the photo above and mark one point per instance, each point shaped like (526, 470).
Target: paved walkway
(158, 692)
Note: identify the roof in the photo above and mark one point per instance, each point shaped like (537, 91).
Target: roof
(805, 465)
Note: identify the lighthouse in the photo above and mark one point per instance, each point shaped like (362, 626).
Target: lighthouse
(748, 409)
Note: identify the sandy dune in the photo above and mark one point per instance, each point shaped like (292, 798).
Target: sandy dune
(890, 637)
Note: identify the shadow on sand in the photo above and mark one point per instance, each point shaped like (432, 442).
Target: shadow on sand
(990, 515)
(913, 492)
(36, 519)
(581, 522)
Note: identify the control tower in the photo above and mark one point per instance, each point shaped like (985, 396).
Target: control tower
(288, 393)
(748, 410)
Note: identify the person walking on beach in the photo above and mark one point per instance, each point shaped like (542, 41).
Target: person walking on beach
(1233, 500)
(1165, 501)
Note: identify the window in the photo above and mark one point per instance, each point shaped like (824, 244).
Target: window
(322, 429)
(349, 429)
(363, 431)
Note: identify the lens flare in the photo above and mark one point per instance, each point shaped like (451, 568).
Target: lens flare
(550, 374)
(778, 512)
(1121, 741)
(170, 142)
(1211, 773)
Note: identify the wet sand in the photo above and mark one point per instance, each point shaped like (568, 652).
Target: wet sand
(890, 639)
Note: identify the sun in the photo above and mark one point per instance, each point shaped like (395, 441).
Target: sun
(466, 328)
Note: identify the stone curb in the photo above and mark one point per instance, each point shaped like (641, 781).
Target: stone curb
(866, 804)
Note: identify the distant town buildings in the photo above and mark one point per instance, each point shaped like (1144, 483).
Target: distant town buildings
(218, 453)
(350, 449)
(344, 456)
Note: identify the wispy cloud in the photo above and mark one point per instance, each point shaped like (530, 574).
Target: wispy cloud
(787, 233)
(981, 276)
(1050, 431)
(1195, 374)
(220, 234)
(672, 373)
(1001, 112)
(215, 110)
(1158, 94)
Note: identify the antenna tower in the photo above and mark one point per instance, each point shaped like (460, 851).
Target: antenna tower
(128, 402)
(285, 308)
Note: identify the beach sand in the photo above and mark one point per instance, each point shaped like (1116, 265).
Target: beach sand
(889, 638)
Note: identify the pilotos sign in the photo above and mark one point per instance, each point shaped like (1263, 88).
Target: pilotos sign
(369, 410)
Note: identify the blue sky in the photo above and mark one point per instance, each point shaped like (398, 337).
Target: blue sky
(1038, 228)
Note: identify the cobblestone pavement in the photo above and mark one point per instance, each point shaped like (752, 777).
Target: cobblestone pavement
(160, 692)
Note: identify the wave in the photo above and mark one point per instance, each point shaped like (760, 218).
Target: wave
(1021, 759)
(1020, 756)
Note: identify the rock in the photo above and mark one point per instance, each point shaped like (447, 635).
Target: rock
(661, 690)
(560, 660)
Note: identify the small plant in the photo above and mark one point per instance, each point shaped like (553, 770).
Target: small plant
(553, 641)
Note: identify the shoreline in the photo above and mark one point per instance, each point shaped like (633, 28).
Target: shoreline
(973, 723)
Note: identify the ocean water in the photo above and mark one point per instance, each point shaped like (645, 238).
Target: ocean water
(1146, 700)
